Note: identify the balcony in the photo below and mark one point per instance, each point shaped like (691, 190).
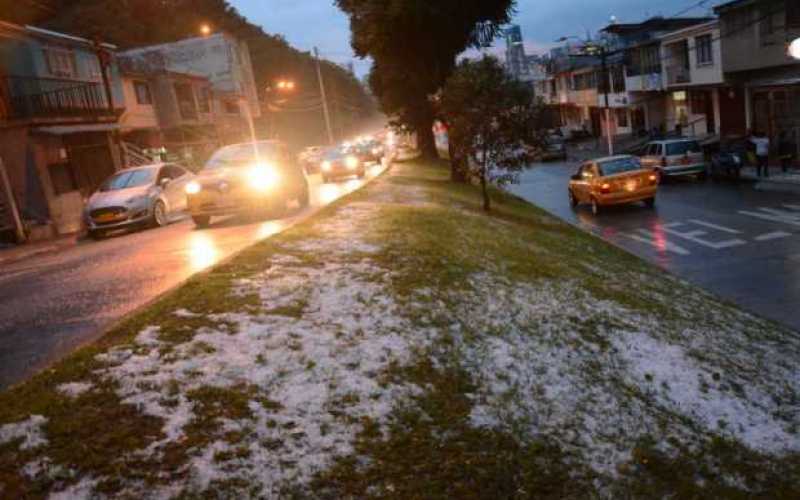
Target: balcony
(52, 101)
(678, 75)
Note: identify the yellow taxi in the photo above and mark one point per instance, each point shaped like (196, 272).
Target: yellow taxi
(614, 180)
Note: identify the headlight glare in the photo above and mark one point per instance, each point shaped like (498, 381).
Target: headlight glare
(351, 162)
(262, 177)
(326, 166)
(193, 187)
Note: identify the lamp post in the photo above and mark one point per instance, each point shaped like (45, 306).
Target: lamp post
(592, 49)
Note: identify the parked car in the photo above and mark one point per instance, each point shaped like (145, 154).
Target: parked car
(140, 196)
(613, 180)
(555, 148)
(675, 157)
(340, 163)
(727, 163)
(256, 178)
(311, 157)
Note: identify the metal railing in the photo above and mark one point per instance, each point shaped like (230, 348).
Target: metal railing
(677, 75)
(32, 97)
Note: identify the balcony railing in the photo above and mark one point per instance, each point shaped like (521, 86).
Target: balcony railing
(50, 98)
(677, 75)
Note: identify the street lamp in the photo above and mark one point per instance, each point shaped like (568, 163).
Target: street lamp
(794, 49)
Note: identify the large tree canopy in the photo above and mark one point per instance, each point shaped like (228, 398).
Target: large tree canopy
(414, 45)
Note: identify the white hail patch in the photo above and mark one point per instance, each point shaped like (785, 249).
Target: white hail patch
(74, 389)
(315, 351)
(541, 373)
(29, 430)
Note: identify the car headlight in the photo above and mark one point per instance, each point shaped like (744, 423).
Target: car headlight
(326, 166)
(262, 177)
(351, 162)
(193, 187)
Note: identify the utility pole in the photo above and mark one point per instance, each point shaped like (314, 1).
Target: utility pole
(606, 85)
(325, 110)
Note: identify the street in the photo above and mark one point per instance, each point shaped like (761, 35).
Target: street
(51, 304)
(738, 243)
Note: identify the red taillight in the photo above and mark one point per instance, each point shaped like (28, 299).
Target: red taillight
(605, 188)
(653, 178)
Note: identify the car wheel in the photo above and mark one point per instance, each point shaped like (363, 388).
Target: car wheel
(595, 207)
(201, 220)
(650, 202)
(573, 202)
(159, 215)
(97, 234)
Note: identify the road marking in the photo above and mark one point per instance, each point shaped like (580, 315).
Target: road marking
(714, 226)
(774, 215)
(658, 241)
(773, 236)
(695, 237)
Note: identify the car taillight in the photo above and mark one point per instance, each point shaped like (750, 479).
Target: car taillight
(605, 188)
(653, 178)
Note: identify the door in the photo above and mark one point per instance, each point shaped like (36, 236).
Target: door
(652, 156)
(176, 189)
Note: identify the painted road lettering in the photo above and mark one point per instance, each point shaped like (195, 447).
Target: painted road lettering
(774, 215)
(657, 240)
(775, 235)
(695, 236)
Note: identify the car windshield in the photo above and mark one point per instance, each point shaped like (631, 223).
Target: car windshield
(241, 155)
(129, 179)
(619, 166)
(682, 148)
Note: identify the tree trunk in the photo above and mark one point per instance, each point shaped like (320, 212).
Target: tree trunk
(425, 141)
(458, 164)
(487, 207)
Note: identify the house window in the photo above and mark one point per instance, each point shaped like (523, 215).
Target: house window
(584, 81)
(143, 96)
(204, 100)
(622, 117)
(60, 62)
(705, 49)
(186, 104)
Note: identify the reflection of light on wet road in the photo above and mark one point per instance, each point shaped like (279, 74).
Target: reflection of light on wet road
(202, 251)
(267, 229)
(329, 193)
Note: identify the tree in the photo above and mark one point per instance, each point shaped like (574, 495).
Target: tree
(414, 45)
(495, 122)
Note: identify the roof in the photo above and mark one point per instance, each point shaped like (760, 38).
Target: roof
(43, 33)
(732, 5)
(692, 29)
(656, 23)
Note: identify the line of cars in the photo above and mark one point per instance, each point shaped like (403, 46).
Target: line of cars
(349, 159)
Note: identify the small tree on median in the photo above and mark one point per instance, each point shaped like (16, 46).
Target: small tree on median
(494, 122)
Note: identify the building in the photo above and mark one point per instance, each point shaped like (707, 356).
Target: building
(765, 81)
(636, 71)
(516, 59)
(60, 101)
(203, 94)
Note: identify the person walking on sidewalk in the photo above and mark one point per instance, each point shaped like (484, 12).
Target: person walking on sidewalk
(786, 150)
(761, 143)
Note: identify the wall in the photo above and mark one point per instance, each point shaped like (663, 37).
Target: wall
(745, 48)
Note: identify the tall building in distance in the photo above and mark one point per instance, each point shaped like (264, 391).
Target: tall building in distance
(516, 60)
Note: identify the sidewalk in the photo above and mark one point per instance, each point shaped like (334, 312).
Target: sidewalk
(12, 253)
(778, 181)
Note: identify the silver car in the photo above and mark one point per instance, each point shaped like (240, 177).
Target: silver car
(149, 195)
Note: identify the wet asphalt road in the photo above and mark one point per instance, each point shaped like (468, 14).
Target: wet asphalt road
(741, 244)
(52, 304)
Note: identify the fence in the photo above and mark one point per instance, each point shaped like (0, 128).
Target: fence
(30, 97)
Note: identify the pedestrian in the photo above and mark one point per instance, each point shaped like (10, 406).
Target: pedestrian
(786, 150)
(761, 143)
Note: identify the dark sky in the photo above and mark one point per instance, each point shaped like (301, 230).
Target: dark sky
(306, 23)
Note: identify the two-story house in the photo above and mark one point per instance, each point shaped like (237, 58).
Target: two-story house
(755, 35)
(60, 101)
(696, 92)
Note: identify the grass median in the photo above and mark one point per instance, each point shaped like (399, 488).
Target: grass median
(403, 344)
